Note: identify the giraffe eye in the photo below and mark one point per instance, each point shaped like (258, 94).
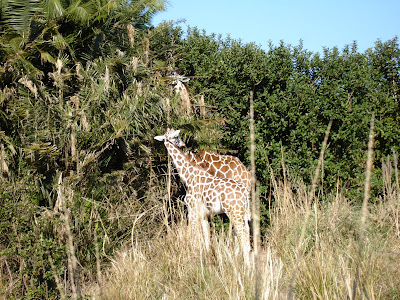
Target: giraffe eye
(178, 142)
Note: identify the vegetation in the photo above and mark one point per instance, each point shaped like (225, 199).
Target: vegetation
(296, 94)
(326, 260)
(83, 91)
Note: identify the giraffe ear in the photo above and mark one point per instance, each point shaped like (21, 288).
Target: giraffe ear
(159, 138)
(175, 133)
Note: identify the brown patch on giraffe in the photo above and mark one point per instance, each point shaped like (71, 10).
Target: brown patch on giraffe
(233, 164)
(214, 157)
(209, 179)
(228, 190)
(224, 169)
(203, 165)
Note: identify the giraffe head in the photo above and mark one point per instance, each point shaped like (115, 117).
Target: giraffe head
(171, 136)
(176, 77)
(180, 88)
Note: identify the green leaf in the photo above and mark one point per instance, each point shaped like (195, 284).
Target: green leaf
(54, 9)
(18, 14)
(81, 12)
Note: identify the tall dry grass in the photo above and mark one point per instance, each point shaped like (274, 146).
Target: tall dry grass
(330, 249)
(173, 266)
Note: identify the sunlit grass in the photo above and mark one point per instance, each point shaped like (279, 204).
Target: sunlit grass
(174, 266)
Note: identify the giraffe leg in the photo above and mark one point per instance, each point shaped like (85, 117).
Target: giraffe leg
(242, 232)
(206, 233)
(245, 241)
(199, 234)
(198, 217)
(193, 223)
(192, 215)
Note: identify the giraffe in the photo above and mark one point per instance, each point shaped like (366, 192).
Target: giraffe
(182, 90)
(224, 166)
(208, 195)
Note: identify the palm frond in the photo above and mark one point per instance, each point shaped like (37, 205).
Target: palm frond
(18, 14)
(54, 9)
(81, 12)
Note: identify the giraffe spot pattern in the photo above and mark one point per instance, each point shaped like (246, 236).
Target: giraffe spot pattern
(208, 194)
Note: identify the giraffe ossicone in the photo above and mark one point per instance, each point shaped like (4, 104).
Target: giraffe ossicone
(208, 195)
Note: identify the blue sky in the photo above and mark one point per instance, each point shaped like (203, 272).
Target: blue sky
(317, 23)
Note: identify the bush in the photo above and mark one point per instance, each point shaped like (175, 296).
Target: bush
(296, 94)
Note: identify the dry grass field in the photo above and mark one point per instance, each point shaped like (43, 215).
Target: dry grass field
(320, 247)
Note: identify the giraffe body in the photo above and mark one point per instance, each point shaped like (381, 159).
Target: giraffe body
(223, 166)
(208, 195)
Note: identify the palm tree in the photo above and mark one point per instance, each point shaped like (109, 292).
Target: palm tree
(69, 102)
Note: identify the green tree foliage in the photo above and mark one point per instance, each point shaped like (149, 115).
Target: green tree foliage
(296, 94)
(73, 110)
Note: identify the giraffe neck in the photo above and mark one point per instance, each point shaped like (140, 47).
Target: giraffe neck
(183, 92)
(180, 87)
(180, 161)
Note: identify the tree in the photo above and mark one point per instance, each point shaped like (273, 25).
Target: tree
(68, 95)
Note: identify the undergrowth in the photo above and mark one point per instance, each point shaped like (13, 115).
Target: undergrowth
(174, 266)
